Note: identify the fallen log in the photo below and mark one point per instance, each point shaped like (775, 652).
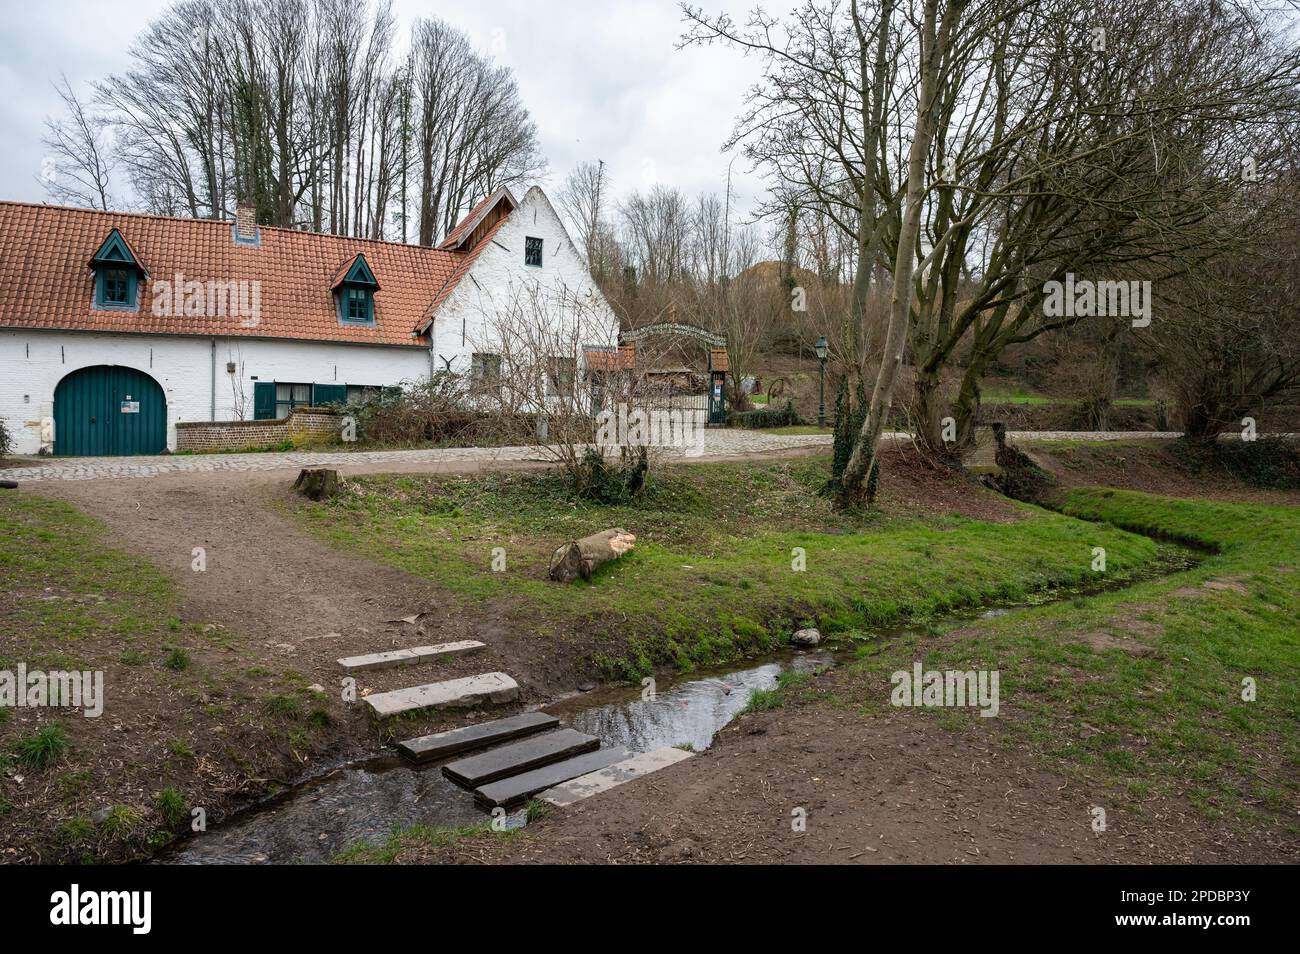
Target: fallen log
(581, 558)
(317, 484)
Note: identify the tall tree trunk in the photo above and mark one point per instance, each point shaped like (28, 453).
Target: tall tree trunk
(863, 459)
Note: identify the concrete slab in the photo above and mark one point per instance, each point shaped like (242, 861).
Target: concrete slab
(593, 783)
(516, 788)
(469, 691)
(519, 757)
(440, 745)
(408, 657)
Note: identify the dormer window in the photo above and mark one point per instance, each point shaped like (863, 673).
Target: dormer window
(117, 274)
(533, 251)
(355, 289)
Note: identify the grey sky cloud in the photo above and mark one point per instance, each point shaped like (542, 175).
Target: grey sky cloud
(603, 81)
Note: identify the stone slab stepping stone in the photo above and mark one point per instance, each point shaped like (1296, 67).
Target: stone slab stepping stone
(469, 691)
(429, 748)
(519, 757)
(593, 783)
(408, 657)
(516, 788)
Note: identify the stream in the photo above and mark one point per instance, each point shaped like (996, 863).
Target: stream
(365, 800)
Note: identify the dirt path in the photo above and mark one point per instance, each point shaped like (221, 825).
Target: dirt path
(268, 581)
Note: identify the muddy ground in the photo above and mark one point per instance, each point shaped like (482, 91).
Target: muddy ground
(894, 790)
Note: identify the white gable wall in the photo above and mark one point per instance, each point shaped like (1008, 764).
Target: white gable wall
(471, 318)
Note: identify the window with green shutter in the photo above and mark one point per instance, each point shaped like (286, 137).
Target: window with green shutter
(330, 394)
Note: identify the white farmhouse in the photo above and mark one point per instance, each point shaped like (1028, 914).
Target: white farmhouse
(114, 327)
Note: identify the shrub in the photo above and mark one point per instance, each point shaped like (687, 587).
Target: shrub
(6, 442)
(764, 417)
(435, 411)
(597, 479)
(1267, 462)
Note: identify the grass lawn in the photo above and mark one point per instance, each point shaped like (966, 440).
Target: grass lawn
(1015, 395)
(714, 576)
(61, 586)
(182, 721)
(1142, 689)
(1001, 394)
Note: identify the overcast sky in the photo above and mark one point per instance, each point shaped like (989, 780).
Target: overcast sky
(601, 77)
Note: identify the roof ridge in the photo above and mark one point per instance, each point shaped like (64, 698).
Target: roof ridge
(49, 206)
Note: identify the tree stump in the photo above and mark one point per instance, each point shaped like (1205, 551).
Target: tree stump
(580, 558)
(317, 484)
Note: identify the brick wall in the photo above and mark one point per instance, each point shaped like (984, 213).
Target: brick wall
(303, 425)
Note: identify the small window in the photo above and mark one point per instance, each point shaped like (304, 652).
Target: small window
(116, 288)
(358, 304)
(562, 375)
(533, 251)
(289, 396)
(485, 372)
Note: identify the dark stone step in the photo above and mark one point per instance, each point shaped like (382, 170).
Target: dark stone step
(519, 757)
(440, 745)
(516, 788)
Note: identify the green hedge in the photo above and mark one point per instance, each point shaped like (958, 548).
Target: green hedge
(784, 416)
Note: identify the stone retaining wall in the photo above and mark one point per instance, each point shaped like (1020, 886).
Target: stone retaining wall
(307, 425)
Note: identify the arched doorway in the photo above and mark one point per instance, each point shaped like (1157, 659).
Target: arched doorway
(108, 411)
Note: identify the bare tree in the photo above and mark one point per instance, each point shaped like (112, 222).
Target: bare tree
(298, 108)
(581, 200)
(473, 133)
(78, 167)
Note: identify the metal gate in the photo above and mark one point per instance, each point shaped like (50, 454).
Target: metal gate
(109, 411)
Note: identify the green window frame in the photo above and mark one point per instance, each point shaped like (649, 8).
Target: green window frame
(115, 288)
(290, 395)
(358, 305)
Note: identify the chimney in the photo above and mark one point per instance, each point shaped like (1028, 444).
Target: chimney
(245, 223)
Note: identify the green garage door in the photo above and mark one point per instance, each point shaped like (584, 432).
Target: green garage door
(109, 411)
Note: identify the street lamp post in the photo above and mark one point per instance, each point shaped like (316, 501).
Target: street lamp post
(822, 347)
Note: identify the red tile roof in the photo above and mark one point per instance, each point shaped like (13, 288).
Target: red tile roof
(46, 282)
(466, 225)
(623, 359)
